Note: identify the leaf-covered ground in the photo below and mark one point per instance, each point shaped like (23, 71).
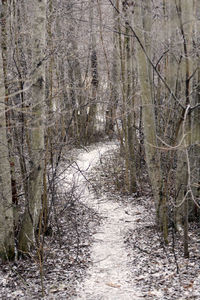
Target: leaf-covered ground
(66, 253)
(108, 276)
(157, 271)
(66, 257)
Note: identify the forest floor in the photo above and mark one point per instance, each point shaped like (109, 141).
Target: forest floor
(158, 271)
(108, 276)
(103, 243)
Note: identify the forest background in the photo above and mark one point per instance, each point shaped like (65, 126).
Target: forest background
(73, 72)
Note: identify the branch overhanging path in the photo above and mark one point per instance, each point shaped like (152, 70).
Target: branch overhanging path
(109, 276)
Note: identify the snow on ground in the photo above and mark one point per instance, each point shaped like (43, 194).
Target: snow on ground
(109, 276)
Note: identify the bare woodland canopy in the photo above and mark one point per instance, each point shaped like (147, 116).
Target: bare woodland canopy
(74, 71)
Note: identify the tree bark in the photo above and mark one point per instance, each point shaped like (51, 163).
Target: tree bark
(33, 206)
(92, 108)
(6, 208)
(143, 19)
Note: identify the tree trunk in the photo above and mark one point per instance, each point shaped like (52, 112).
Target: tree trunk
(6, 208)
(130, 97)
(143, 17)
(32, 210)
(92, 109)
(9, 113)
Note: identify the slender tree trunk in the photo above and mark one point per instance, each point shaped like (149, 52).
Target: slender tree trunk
(130, 91)
(123, 112)
(21, 44)
(92, 109)
(113, 76)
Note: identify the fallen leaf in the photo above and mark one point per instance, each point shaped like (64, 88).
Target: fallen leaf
(188, 286)
(114, 285)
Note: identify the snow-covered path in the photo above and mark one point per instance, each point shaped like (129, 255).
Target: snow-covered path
(109, 276)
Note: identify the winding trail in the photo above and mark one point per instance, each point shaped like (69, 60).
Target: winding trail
(109, 277)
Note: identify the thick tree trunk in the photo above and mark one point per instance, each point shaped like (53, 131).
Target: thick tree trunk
(6, 208)
(32, 211)
(9, 113)
(195, 116)
(183, 180)
(143, 17)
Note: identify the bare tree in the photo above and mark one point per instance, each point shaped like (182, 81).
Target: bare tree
(33, 205)
(6, 207)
